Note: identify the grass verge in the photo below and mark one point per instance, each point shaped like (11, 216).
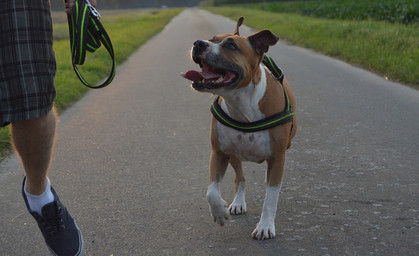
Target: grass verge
(401, 11)
(391, 50)
(127, 32)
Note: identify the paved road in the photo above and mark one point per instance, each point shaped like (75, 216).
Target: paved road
(131, 162)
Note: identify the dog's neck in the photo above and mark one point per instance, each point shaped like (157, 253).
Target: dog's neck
(243, 104)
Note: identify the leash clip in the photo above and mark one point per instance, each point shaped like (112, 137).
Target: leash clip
(93, 10)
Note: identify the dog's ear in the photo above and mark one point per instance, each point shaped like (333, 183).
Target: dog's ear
(261, 41)
(239, 23)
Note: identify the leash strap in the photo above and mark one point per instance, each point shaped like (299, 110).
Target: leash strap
(87, 34)
(269, 122)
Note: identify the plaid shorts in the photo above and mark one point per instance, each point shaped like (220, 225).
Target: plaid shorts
(27, 60)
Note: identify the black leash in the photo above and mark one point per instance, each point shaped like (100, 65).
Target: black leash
(269, 122)
(87, 33)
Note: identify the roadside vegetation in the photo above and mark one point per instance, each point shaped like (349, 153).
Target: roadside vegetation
(127, 30)
(399, 11)
(402, 11)
(378, 35)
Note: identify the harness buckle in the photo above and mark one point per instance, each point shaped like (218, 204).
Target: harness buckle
(93, 10)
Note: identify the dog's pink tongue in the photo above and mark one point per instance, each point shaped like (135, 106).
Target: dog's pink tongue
(193, 75)
(196, 76)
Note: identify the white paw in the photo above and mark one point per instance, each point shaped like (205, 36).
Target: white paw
(237, 207)
(218, 208)
(264, 230)
(219, 212)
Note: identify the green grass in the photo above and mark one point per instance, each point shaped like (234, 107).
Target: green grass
(400, 11)
(389, 49)
(127, 32)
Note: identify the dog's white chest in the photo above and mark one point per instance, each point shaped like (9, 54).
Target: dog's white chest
(254, 147)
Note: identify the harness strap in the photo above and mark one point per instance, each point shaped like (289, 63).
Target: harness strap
(276, 71)
(87, 33)
(266, 123)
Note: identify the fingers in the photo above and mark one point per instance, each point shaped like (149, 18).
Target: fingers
(68, 5)
(93, 3)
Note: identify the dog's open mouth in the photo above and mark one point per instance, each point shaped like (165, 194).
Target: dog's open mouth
(211, 77)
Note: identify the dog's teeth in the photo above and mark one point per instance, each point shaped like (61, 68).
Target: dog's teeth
(220, 80)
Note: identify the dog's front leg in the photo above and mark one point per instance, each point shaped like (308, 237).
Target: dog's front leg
(218, 167)
(265, 229)
(238, 206)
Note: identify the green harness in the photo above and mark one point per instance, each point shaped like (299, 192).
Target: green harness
(87, 33)
(266, 123)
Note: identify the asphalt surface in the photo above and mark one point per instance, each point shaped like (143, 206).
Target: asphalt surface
(131, 162)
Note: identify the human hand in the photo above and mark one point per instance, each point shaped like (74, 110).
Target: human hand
(70, 4)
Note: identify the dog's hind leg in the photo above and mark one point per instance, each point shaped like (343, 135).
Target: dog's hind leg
(238, 206)
(218, 167)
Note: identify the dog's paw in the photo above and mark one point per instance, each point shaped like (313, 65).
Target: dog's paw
(219, 212)
(218, 208)
(264, 230)
(237, 207)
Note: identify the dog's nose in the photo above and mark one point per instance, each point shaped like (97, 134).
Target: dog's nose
(200, 45)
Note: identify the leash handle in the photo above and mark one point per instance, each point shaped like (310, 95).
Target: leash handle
(87, 34)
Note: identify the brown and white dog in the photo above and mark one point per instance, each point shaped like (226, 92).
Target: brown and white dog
(232, 69)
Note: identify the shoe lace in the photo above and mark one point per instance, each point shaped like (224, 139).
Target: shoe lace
(54, 224)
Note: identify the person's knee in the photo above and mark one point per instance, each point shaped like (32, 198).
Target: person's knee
(48, 120)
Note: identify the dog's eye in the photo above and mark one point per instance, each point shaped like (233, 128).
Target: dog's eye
(230, 45)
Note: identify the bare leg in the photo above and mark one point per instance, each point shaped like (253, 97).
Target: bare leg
(33, 140)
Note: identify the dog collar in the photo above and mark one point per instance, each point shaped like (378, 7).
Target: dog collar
(266, 123)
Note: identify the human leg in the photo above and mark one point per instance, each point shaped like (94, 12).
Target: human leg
(33, 140)
(27, 71)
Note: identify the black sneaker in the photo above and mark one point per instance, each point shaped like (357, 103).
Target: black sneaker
(60, 232)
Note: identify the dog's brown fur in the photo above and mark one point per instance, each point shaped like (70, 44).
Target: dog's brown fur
(248, 58)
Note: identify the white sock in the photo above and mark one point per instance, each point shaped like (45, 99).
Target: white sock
(37, 202)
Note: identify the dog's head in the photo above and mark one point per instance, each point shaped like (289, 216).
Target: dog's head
(228, 61)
